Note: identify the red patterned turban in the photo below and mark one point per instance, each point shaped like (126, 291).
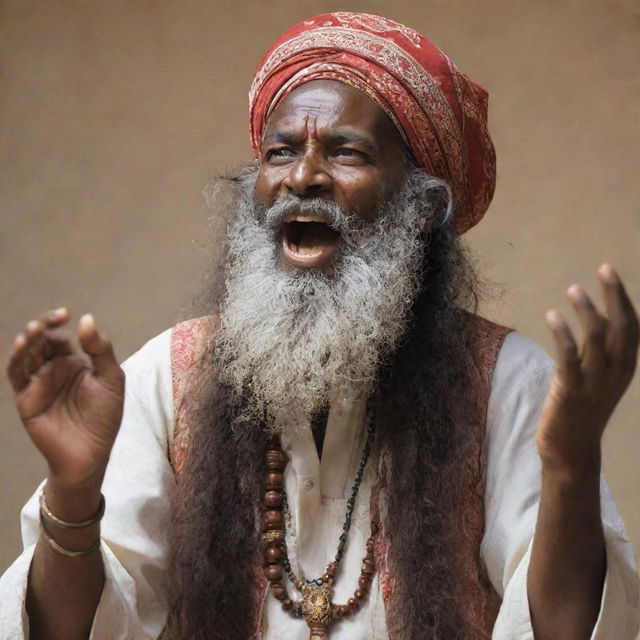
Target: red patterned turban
(440, 113)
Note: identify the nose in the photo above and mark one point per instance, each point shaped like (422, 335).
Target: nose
(308, 176)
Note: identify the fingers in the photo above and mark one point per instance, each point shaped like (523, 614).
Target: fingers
(38, 343)
(34, 346)
(595, 328)
(16, 367)
(566, 348)
(610, 345)
(622, 342)
(55, 318)
(99, 349)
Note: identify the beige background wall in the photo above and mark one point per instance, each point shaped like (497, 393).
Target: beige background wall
(115, 114)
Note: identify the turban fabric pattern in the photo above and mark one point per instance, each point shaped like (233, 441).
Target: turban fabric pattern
(440, 113)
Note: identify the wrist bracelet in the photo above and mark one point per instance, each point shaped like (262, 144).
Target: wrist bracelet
(47, 516)
(70, 553)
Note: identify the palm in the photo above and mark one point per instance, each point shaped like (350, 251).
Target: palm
(71, 415)
(590, 380)
(70, 408)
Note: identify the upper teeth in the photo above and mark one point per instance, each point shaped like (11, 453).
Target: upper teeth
(301, 217)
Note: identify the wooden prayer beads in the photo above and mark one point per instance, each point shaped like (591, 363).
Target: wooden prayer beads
(273, 524)
(316, 605)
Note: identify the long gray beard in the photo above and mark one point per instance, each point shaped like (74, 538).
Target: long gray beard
(292, 338)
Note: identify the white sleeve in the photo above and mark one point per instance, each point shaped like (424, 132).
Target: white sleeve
(521, 380)
(137, 487)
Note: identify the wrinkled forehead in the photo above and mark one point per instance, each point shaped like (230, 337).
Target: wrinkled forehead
(329, 107)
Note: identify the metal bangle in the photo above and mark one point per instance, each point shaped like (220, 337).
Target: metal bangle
(48, 517)
(70, 553)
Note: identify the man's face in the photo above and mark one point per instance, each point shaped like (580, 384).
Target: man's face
(326, 140)
(325, 255)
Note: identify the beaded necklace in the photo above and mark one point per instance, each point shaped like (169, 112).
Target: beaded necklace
(315, 605)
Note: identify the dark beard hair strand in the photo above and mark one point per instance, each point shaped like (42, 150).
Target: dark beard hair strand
(426, 429)
(215, 528)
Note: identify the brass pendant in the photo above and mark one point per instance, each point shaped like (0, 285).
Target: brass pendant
(316, 609)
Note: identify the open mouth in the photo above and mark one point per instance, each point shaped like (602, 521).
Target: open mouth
(308, 241)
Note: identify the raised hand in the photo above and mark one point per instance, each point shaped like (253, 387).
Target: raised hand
(568, 558)
(71, 406)
(590, 380)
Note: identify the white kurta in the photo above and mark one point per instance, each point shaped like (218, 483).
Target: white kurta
(139, 483)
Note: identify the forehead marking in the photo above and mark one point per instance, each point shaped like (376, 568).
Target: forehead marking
(311, 126)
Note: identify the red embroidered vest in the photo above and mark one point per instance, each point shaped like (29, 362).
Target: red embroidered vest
(190, 340)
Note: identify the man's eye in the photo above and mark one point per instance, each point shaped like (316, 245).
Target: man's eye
(345, 151)
(280, 152)
(347, 154)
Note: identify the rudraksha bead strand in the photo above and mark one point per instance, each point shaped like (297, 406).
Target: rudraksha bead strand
(316, 604)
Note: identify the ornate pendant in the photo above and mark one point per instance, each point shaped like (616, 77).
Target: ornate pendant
(317, 610)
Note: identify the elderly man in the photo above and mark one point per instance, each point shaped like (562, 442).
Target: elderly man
(343, 451)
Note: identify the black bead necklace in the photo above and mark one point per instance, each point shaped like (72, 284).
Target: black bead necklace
(316, 605)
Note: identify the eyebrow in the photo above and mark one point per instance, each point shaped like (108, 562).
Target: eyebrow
(282, 137)
(342, 136)
(349, 136)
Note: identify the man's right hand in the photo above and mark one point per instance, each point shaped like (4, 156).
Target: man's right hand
(71, 406)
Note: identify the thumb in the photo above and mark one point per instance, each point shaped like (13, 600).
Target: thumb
(99, 349)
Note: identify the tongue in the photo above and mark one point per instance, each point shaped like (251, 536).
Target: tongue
(314, 238)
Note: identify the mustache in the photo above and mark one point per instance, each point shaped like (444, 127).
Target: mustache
(332, 214)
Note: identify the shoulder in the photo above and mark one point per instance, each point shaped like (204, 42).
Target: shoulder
(504, 357)
(521, 362)
(519, 387)
(172, 352)
(484, 339)
(157, 372)
(190, 341)
(152, 356)
(176, 347)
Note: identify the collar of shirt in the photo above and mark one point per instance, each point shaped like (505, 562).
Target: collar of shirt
(317, 489)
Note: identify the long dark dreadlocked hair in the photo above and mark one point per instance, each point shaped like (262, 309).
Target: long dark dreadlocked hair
(426, 428)
(423, 424)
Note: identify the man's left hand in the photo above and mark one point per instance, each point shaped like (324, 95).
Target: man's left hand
(589, 381)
